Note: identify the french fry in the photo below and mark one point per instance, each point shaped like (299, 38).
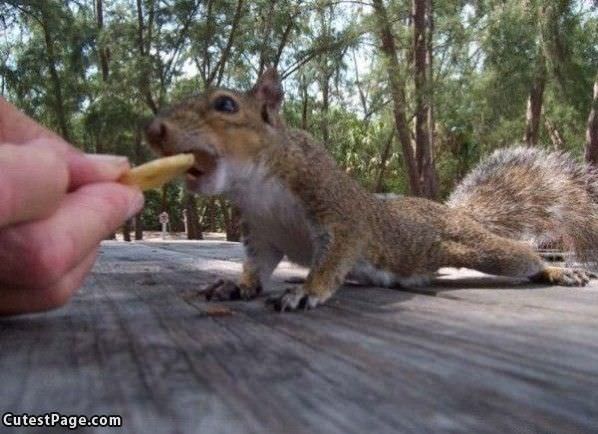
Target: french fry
(158, 172)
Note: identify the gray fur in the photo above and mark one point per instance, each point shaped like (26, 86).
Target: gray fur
(534, 195)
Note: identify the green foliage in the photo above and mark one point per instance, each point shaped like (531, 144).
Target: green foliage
(485, 55)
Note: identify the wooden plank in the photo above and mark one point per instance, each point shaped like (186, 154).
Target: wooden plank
(382, 328)
(210, 249)
(456, 284)
(139, 341)
(514, 293)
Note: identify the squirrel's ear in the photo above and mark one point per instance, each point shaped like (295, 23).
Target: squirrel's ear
(268, 90)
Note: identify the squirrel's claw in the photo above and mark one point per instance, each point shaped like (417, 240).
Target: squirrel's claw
(573, 277)
(581, 277)
(563, 276)
(293, 299)
(222, 290)
(226, 290)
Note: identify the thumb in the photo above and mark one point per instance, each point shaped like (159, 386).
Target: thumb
(90, 168)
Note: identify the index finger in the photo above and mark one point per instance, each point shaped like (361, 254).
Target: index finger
(33, 180)
(17, 128)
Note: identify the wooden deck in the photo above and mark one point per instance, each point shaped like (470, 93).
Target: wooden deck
(470, 354)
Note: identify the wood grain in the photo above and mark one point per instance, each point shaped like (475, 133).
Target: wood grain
(469, 354)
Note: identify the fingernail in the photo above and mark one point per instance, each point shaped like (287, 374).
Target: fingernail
(114, 160)
(135, 204)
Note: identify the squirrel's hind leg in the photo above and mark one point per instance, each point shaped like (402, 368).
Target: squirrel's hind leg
(501, 256)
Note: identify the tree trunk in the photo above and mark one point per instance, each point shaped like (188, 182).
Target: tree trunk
(164, 199)
(284, 40)
(193, 225)
(534, 103)
(211, 215)
(103, 62)
(325, 83)
(425, 164)
(59, 106)
(231, 39)
(234, 231)
(127, 231)
(232, 221)
(138, 222)
(430, 94)
(266, 35)
(592, 130)
(304, 103)
(103, 53)
(397, 89)
(383, 159)
(142, 44)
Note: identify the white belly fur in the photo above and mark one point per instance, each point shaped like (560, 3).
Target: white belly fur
(274, 215)
(366, 274)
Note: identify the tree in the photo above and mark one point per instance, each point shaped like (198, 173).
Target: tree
(450, 81)
(592, 129)
(397, 89)
(424, 131)
(419, 164)
(534, 102)
(194, 231)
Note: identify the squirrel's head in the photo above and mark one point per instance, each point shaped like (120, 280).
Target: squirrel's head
(223, 128)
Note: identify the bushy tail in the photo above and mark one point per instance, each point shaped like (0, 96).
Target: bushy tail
(530, 194)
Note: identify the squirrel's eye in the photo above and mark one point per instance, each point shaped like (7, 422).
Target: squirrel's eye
(225, 104)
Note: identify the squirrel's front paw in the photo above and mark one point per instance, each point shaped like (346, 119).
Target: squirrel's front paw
(563, 276)
(294, 299)
(226, 289)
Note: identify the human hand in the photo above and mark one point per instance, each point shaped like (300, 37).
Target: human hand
(56, 205)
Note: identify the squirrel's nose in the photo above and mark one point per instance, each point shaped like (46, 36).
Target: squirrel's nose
(156, 132)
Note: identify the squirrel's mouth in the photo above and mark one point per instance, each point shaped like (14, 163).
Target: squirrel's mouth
(205, 164)
(195, 173)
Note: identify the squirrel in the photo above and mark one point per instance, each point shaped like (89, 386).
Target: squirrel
(295, 201)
